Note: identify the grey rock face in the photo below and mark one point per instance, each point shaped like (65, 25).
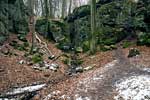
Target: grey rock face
(13, 17)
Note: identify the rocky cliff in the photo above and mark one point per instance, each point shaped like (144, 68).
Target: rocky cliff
(13, 18)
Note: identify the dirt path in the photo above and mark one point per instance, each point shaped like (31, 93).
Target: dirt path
(100, 84)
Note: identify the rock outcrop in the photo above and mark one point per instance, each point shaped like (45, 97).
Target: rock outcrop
(13, 18)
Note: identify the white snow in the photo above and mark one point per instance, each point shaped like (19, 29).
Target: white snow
(80, 98)
(53, 94)
(146, 69)
(134, 88)
(111, 64)
(6, 99)
(77, 97)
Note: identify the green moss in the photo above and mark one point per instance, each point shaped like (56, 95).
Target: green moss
(79, 61)
(2, 39)
(21, 47)
(105, 48)
(144, 39)
(126, 44)
(26, 44)
(37, 58)
(66, 61)
(78, 50)
(86, 46)
(22, 37)
(109, 41)
(113, 46)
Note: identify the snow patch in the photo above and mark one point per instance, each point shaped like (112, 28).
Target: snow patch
(81, 98)
(6, 99)
(133, 88)
(54, 93)
(146, 69)
(111, 64)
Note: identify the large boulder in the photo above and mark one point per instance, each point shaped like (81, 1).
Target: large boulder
(115, 20)
(51, 29)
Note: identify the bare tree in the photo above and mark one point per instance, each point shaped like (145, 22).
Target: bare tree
(93, 26)
(64, 4)
(70, 7)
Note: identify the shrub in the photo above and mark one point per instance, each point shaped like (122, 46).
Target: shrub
(143, 39)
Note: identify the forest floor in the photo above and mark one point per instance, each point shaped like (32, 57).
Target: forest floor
(109, 67)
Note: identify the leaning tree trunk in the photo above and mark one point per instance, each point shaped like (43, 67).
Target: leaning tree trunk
(93, 27)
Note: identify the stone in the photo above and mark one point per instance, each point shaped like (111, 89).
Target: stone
(66, 47)
(113, 46)
(21, 62)
(133, 52)
(47, 66)
(89, 67)
(2, 70)
(36, 67)
(54, 67)
(51, 57)
(79, 50)
(107, 47)
(79, 69)
(5, 50)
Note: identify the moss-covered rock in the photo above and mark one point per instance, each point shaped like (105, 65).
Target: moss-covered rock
(54, 31)
(133, 52)
(79, 13)
(116, 20)
(19, 46)
(13, 17)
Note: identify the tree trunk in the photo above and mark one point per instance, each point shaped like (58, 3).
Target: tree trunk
(46, 14)
(51, 14)
(93, 27)
(63, 8)
(70, 6)
(31, 5)
(31, 23)
(42, 6)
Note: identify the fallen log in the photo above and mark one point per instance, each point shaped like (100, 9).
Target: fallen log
(43, 44)
(23, 90)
